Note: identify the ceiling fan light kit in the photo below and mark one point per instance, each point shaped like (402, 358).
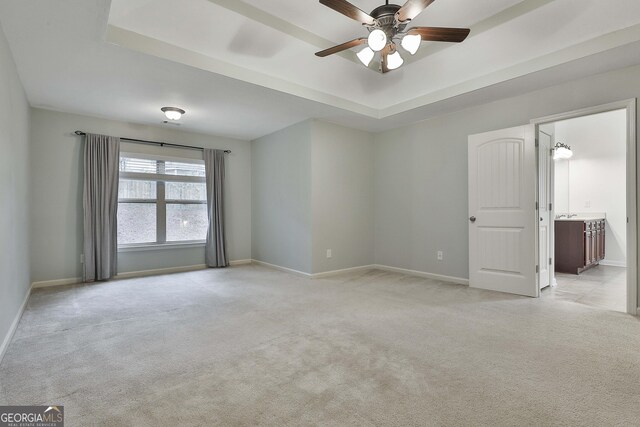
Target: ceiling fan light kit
(366, 56)
(411, 43)
(394, 60)
(377, 40)
(387, 27)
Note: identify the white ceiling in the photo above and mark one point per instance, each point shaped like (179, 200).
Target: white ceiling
(246, 68)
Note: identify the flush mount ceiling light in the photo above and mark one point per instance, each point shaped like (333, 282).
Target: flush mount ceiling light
(387, 27)
(172, 113)
(562, 151)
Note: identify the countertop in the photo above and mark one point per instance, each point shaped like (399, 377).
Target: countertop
(579, 217)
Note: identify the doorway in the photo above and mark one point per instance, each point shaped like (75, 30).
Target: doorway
(587, 194)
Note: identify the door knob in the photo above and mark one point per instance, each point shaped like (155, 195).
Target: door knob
(472, 219)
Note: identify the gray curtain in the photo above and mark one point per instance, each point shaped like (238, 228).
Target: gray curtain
(216, 247)
(100, 202)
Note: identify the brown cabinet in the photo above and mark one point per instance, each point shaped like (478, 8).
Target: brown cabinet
(579, 244)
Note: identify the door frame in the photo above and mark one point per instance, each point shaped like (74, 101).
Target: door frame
(550, 212)
(632, 184)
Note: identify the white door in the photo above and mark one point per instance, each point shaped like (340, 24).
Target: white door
(544, 198)
(502, 211)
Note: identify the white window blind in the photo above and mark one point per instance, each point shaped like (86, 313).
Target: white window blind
(162, 200)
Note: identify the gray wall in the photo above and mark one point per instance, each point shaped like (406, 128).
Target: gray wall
(312, 191)
(421, 170)
(281, 197)
(56, 194)
(14, 189)
(342, 197)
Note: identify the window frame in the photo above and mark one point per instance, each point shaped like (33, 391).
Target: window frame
(161, 202)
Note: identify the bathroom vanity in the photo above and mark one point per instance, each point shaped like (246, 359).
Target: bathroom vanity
(579, 243)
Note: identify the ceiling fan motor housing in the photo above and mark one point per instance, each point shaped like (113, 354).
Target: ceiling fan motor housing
(385, 17)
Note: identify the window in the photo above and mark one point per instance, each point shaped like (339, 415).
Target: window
(161, 201)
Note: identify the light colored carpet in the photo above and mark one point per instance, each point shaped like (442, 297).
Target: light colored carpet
(253, 346)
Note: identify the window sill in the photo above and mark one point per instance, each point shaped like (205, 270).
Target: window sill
(160, 246)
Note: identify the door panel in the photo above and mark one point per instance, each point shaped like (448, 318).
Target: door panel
(502, 194)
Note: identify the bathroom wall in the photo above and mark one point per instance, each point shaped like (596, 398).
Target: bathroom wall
(594, 179)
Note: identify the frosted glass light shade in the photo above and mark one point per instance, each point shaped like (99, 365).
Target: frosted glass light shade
(365, 56)
(394, 60)
(172, 113)
(377, 40)
(411, 43)
(562, 153)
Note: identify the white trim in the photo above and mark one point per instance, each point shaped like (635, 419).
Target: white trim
(159, 271)
(57, 282)
(278, 267)
(613, 263)
(423, 274)
(632, 185)
(344, 270)
(147, 156)
(14, 326)
(132, 274)
(159, 246)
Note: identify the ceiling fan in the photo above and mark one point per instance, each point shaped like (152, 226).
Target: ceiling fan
(387, 26)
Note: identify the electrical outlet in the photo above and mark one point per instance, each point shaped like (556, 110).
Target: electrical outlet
(440, 256)
(329, 255)
(587, 204)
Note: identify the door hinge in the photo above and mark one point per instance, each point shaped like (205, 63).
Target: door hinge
(550, 206)
(550, 261)
(537, 142)
(551, 152)
(537, 269)
(537, 206)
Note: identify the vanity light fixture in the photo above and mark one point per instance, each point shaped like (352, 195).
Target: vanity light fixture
(562, 151)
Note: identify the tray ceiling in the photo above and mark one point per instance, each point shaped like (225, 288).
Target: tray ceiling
(245, 68)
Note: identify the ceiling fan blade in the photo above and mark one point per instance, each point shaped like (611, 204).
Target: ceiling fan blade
(341, 47)
(349, 10)
(439, 34)
(411, 9)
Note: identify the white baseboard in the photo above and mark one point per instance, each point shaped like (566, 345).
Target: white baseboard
(313, 275)
(133, 274)
(57, 282)
(159, 271)
(13, 327)
(424, 274)
(344, 270)
(416, 273)
(285, 269)
(613, 263)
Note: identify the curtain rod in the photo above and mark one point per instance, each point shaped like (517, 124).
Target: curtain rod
(161, 144)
